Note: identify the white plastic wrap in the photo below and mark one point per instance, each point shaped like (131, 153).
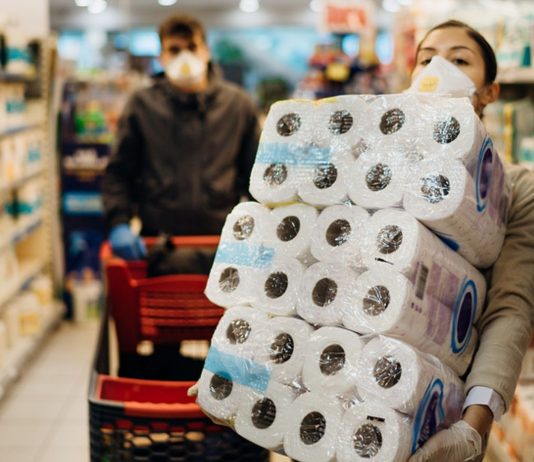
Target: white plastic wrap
(352, 292)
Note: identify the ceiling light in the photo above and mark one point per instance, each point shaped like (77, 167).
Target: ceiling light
(166, 2)
(316, 6)
(405, 2)
(249, 6)
(97, 6)
(82, 3)
(391, 5)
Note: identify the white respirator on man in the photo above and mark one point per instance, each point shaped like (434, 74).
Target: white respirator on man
(441, 77)
(186, 69)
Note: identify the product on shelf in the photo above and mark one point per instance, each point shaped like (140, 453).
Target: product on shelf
(3, 343)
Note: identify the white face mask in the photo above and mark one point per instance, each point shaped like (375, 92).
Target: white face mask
(441, 77)
(186, 69)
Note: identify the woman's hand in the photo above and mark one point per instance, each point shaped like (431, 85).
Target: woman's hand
(461, 442)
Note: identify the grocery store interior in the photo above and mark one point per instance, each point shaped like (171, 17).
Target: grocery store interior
(67, 70)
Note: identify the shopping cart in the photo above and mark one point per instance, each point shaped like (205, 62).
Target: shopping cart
(148, 420)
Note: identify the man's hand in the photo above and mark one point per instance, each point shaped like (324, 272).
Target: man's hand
(459, 443)
(125, 244)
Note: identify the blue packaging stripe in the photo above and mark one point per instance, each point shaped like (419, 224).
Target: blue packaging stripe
(239, 370)
(293, 154)
(242, 254)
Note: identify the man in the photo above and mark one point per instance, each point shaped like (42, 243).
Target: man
(185, 146)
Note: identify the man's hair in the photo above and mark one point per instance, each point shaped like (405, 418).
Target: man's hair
(182, 25)
(490, 61)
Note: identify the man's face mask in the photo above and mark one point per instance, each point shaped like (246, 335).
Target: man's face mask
(186, 69)
(441, 77)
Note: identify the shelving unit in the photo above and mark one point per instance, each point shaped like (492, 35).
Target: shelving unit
(31, 237)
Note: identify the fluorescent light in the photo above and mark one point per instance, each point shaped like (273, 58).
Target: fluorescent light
(316, 6)
(166, 2)
(391, 5)
(82, 3)
(249, 6)
(97, 6)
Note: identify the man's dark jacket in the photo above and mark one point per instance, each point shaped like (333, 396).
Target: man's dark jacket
(181, 161)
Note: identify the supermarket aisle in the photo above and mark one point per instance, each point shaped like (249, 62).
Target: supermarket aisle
(44, 416)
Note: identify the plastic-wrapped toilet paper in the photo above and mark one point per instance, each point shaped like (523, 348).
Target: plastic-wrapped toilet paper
(312, 423)
(291, 231)
(372, 431)
(239, 330)
(278, 287)
(338, 234)
(394, 117)
(469, 214)
(290, 121)
(259, 416)
(328, 183)
(219, 396)
(452, 129)
(246, 222)
(331, 360)
(377, 180)
(234, 276)
(274, 182)
(401, 376)
(396, 238)
(386, 302)
(340, 122)
(283, 348)
(325, 291)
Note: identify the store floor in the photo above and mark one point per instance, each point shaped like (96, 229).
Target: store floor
(44, 416)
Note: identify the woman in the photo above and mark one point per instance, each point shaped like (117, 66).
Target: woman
(505, 325)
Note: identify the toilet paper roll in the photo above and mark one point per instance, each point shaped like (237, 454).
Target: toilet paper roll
(396, 238)
(447, 200)
(247, 222)
(328, 183)
(377, 180)
(278, 287)
(233, 278)
(374, 432)
(338, 233)
(453, 129)
(401, 377)
(284, 347)
(312, 426)
(325, 293)
(274, 183)
(289, 121)
(388, 303)
(259, 416)
(239, 330)
(291, 232)
(332, 357)
(395, 117)
(218, 396)
(340, 122)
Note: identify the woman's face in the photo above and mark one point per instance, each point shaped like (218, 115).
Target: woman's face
(455, 45)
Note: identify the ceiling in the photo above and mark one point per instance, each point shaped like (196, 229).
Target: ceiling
(220, 13)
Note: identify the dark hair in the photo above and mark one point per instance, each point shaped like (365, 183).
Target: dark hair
(490, 61)
(183, 25)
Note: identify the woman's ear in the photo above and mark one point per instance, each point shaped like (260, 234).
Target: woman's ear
(489, 93)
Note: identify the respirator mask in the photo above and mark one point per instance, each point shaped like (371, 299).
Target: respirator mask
(186, 69)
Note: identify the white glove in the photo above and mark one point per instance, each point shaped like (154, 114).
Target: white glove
(193, 390)
(459, 443)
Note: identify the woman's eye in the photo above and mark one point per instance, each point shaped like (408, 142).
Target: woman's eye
(424, 62)
(459, 62)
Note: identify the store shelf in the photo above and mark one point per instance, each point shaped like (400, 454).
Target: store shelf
(17, 183)
(16, 78)
(28, 270)
(18, 129)
(521, 75)
(18, 357)
(23, 228)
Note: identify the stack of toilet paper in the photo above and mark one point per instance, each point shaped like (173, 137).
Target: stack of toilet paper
(434, 160)
(351, 289)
